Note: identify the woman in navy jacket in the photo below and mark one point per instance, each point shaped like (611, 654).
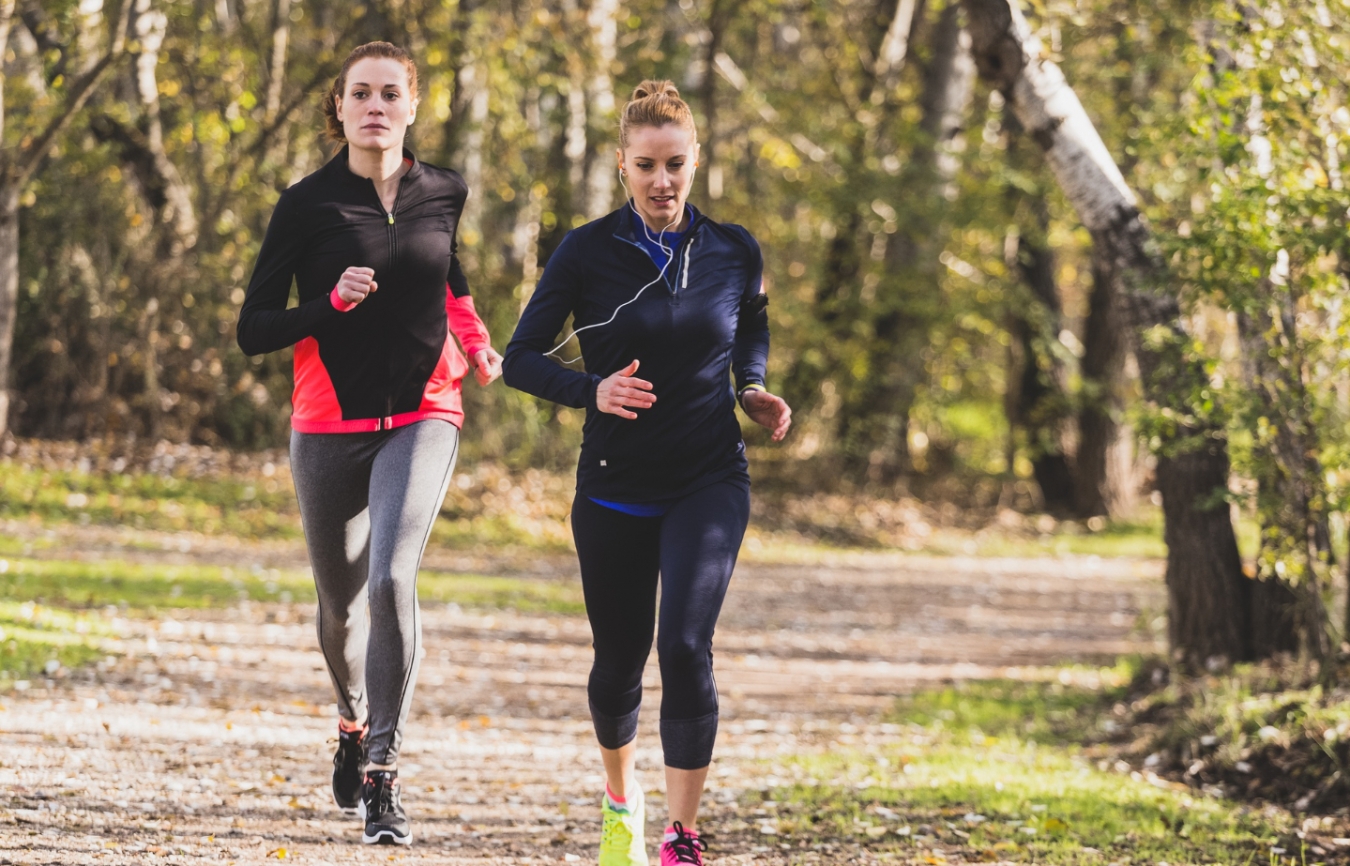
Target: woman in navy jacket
(662, 482)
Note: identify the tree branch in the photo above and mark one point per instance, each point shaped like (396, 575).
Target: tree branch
(30, 157)
(6, 22)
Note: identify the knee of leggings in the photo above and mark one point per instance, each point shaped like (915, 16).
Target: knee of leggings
(614, 679)
(383, 590)
(684, 654)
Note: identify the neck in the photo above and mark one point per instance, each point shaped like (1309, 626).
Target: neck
(378, 165)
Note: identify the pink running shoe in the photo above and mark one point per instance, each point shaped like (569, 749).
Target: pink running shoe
(682, 846)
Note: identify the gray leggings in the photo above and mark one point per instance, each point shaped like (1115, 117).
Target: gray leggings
(368, 501)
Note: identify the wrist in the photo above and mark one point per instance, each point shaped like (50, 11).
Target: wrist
(753, 386)
(335, 298)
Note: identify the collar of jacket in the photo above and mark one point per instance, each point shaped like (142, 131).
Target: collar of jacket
(623, 225)
(341, 161)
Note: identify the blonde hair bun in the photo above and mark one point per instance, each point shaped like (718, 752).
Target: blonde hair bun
(655, 102)
(652, 87)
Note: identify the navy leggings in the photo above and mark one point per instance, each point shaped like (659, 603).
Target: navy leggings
(692, 548)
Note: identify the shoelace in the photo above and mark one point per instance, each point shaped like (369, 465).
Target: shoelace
(613, 831)
(384, 798)
(687, 848)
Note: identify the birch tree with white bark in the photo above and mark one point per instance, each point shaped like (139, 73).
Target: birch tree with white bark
(1207, 591)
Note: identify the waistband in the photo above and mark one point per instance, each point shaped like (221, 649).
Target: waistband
(372, 425)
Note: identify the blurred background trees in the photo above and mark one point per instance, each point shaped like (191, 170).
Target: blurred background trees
(946, 319)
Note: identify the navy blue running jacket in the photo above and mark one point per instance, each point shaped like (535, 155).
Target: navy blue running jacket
(690, 332)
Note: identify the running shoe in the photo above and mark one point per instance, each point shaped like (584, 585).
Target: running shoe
(349, 768)
(682, 846)
(386, 822)
(621, 837)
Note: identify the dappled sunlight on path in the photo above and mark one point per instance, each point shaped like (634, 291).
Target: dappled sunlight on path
(203, 737)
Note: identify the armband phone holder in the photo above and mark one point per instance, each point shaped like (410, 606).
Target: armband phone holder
(754, 305)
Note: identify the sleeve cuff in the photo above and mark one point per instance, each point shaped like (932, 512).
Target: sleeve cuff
(338, 304)
(749, 386)
(590, 392)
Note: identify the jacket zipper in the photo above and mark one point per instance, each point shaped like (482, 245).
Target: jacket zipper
(390, 230)
(680, 253)
(393, 230)
(392, 234)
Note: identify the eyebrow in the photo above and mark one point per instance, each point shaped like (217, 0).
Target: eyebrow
(363, 84)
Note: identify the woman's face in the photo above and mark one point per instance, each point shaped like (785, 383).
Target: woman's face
(659, 162)
(376, 106)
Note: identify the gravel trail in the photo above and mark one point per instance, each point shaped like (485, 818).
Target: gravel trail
(205, 737)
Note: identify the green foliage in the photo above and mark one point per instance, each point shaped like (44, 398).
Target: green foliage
(895, 302)
(983, 767)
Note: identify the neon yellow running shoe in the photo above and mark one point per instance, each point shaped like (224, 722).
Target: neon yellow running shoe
(621, 837)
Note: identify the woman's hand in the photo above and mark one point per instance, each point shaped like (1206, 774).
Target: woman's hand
(355, 284)
(487, 366)
(620, 391)
(768, 411)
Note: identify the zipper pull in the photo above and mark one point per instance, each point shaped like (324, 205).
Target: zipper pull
(391, 218)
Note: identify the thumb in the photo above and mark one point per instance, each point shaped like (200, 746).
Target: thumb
(630, 369)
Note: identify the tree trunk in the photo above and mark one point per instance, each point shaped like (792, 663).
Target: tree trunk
(151, 393)
(877, 423)
(9, 290)
(1040, 407)
(471, 93)
(276, 70)
(719, 15)
(602, 169)
(1102, 478)
(173, 201)
(1206, 588)
(575, 147)
(525, 242)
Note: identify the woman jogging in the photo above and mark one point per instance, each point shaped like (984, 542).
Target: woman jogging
(660, 290)
(370, 242)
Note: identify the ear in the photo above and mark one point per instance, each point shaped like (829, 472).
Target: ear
(412, 111)
(338, 110)
(696, 150)
(618, 155)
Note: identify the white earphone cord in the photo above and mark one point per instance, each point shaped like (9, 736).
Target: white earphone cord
(670, 256)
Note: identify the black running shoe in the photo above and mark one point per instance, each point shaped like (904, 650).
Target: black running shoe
(386, 822)
(349, 768)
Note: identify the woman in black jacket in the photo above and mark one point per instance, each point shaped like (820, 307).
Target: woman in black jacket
(662, 483)
(369, 240)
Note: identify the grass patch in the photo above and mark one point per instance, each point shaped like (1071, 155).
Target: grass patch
(142, 588)
(51, 608)
(501, 532)
(1037, 712)
(1006, 770)
(36, 639)
(1015, 800)
(502, 593)
(247, 508)
(1139, 537)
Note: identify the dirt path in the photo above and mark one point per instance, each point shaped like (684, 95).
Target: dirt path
(205, 739)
